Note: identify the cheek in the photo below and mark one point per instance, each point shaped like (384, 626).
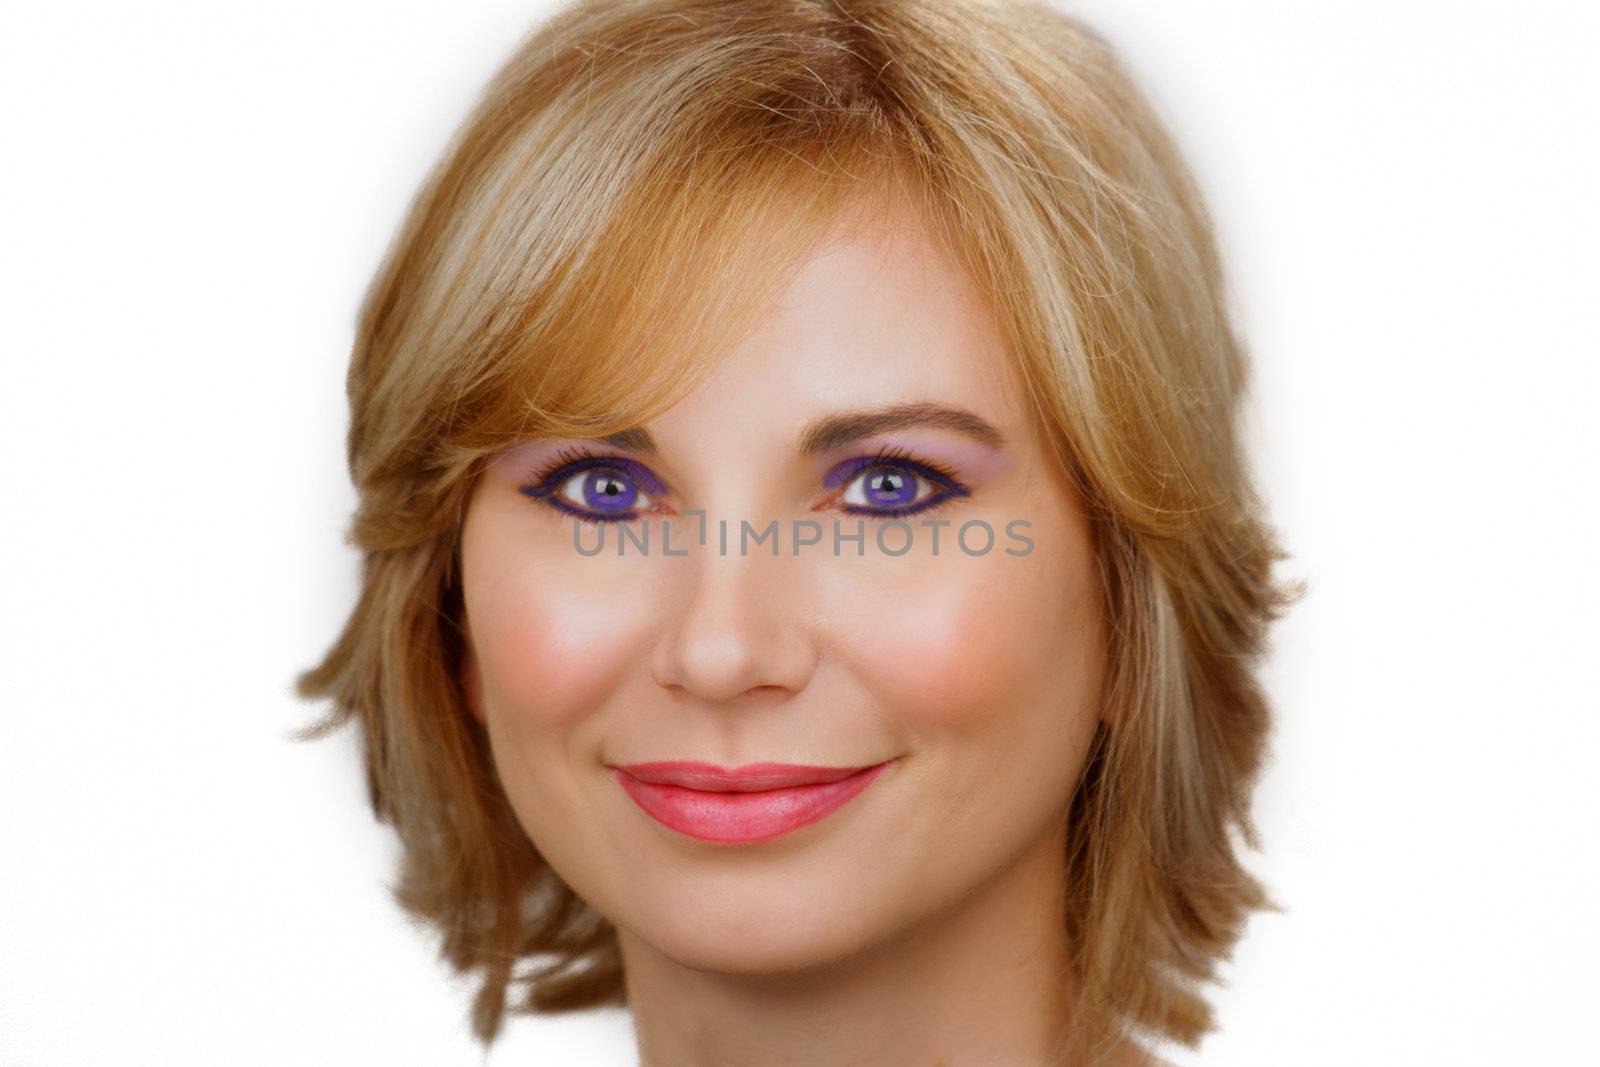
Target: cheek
(968, 644)
(548, 639)
(944, 652)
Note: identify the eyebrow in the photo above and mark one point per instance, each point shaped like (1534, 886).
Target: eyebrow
(835, 431)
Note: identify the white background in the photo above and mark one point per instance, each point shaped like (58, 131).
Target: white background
(192, 199)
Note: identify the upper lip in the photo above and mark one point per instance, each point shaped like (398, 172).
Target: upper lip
(750, 778)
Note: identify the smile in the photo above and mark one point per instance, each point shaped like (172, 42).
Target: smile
(744, 805)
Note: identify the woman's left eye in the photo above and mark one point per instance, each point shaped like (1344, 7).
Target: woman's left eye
(894, 487)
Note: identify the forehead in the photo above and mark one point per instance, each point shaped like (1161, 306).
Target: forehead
(877, 314)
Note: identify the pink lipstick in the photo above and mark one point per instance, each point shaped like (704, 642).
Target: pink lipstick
(756, 802)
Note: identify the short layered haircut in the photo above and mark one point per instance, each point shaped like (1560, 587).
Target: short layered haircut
(634, 186)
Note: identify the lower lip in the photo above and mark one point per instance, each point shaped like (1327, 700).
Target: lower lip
(744, 818)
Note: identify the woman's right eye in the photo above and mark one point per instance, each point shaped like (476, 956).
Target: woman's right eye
(598, 489)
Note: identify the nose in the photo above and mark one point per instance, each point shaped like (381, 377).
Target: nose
(738, 629)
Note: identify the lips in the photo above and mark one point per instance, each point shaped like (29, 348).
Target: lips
(744, 805)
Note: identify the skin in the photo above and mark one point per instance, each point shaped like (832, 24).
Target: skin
(920, 923)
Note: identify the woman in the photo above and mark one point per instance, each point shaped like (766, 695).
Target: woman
(812, 583)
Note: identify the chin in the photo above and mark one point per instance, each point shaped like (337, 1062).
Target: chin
(749, 932)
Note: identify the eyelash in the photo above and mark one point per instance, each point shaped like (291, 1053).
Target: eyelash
(547, 478)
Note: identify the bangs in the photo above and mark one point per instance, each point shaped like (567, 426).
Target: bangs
(667, 271)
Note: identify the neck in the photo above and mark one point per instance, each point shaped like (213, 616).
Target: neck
(984, 982)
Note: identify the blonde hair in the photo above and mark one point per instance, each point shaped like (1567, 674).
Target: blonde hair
(634, 185)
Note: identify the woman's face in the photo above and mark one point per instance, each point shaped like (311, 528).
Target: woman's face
(960, 681)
